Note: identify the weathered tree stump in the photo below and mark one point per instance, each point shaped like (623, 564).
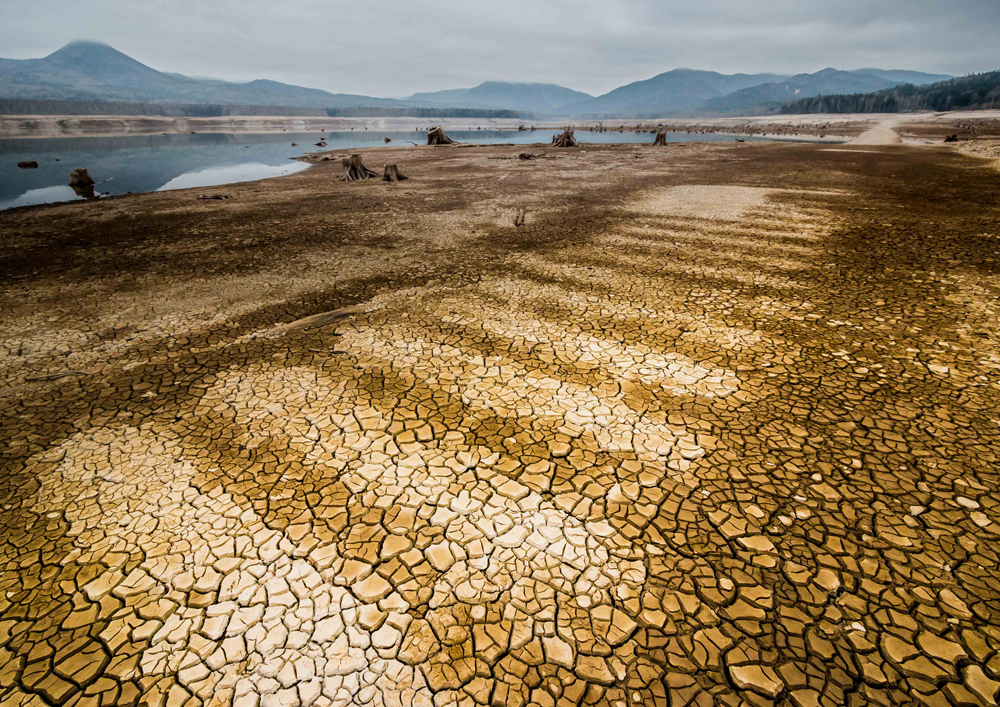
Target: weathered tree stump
(80, 178)
(565, 139)
(355, 170)
(436, 136)
(392, 174)
(661, 138)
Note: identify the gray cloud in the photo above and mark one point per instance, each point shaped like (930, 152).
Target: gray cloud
(397, 47)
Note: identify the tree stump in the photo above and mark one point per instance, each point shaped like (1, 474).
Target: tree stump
(566, 139)
(436, 136)
(355, 170)
(80, 178)
(392, 174)
(661, 138)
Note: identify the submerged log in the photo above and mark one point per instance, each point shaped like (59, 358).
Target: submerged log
(355, 170)
(565, 139)
(436, 136)
(661, 138)
(392, 174)
(80, 178)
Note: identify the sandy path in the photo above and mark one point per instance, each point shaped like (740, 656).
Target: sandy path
(881, 134)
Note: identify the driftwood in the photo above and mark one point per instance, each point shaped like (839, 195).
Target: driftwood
(565, 139)
(661, 138)
(526, 156)
(80, 178)
(318, 320)
(436, 136)
(392, 174)
(355, 170)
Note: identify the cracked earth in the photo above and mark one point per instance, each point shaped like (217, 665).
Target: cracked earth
(716, 424)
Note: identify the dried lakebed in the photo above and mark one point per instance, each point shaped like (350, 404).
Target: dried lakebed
(705, 424)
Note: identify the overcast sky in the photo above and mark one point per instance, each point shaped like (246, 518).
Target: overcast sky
(398, 47)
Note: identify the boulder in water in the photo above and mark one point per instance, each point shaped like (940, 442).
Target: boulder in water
(28, 165)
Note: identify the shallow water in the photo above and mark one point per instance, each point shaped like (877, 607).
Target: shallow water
(145, 163)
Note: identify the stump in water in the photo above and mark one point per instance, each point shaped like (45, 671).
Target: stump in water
(80, 178)
(661, 138)
(355, 170)
(436, 136)
(566, 139)
(392, 174)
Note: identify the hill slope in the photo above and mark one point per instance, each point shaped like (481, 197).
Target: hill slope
(531, 97)
(671, 92)
(973, 92)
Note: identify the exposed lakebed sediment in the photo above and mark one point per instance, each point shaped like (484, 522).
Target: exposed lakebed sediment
(616, 425)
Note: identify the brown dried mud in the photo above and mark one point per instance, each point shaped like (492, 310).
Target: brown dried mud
(709, 424)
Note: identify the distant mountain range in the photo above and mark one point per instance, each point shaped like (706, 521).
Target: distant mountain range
(89, 72)
(541, 98)
(675, 91)
(974, 92)
(821, 83)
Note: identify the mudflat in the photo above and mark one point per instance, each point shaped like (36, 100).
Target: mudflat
(703, 424)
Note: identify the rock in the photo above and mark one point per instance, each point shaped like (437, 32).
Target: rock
(28, 165)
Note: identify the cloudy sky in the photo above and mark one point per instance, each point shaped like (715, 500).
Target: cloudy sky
(397, 47)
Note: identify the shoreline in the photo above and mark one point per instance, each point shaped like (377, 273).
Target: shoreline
(65, 126)
(913, 128)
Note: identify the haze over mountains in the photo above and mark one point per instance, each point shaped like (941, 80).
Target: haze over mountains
(89, 71)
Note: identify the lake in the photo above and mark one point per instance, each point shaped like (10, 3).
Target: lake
(145, 163)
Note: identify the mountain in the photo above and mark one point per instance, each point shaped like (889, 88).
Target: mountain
(675, 91)
(531, 97)
(917, 78)
(827, 81)
(973, 92)
(90, 71)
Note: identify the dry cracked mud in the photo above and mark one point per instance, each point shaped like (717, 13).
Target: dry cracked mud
(715, 424)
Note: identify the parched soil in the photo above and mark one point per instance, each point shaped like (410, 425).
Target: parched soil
(709, 424)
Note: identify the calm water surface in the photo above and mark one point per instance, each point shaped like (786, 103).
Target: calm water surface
(145, 163)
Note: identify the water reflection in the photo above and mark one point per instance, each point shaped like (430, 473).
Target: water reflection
(231, 174)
